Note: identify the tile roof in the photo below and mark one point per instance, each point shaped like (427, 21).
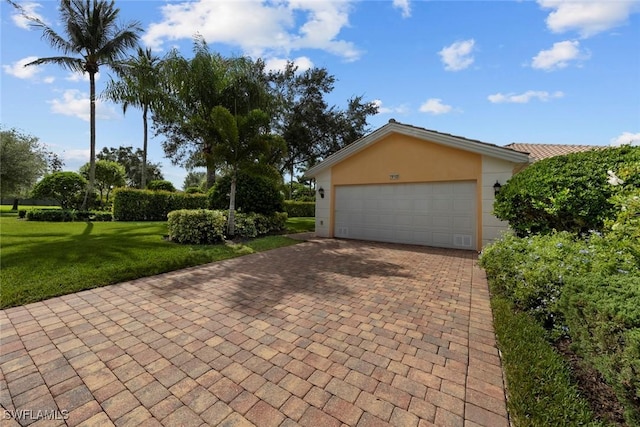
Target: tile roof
(542, 151)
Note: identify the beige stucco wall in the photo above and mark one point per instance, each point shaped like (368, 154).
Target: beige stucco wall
(411, 159)
(324, 207)
(493, 170)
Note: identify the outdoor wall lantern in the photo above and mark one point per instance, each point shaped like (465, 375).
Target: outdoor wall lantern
(321, 192)
(496, 187)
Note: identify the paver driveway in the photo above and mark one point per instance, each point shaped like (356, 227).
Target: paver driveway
(324, 333)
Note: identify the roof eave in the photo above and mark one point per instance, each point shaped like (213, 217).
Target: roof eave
(442, 139)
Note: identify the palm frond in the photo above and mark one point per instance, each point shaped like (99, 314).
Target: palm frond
(69, 63)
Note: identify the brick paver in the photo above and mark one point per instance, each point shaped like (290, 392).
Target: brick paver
(327, 332)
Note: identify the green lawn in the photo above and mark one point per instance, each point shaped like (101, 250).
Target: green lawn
(301, 224)
(40, 260)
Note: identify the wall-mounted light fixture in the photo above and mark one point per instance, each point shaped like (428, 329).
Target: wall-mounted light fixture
(321, 192)
(497, 187)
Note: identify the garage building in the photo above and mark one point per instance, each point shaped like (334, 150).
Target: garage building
(405, 184)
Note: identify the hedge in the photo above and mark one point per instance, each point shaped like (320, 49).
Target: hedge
(296, 209)
(203, 226)
(566, 193)
(64, 215)
(146, 205)
(603, 317)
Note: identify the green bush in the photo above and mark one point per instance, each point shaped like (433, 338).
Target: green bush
(193, 190)
(245, 226)
(160, 185)
(565, 193)
(603, 316)
(199, 226)
(530, 272)
(203, 226)
(254, 194)
(50, 215)
(22, 213)
(67, 188)
(296, 209)
(146, 205)
(66, 215)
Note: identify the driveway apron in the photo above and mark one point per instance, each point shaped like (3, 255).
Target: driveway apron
(323, 333)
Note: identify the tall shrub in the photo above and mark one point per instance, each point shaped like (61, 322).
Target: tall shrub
(254, 194)
(564, 193)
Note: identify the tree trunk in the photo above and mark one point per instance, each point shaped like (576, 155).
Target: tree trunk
(291, 183)
(15, 205)
(144, 148)
(231, 226)
(211, 176)
(92, 150)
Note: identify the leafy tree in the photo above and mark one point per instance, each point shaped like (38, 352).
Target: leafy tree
(161, 185)
(311, 128)
(132, 162)
(195, 179)
(194, 88)
(138, 86)
(66, 188)
(23, 159)
(93, 38)
(242, 140)
(109, 175)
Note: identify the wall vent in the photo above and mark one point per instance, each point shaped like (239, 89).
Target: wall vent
(462, 240)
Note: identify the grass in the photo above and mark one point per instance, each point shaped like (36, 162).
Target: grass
(42, 259)
(301, 224)
(541, 391)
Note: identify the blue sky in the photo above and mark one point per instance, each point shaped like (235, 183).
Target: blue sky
(550, 71)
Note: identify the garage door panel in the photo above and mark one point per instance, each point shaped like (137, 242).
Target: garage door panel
(433, 214)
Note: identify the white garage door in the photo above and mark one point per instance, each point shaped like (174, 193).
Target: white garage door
(432, 214)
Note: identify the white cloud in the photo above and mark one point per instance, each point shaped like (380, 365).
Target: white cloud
(76, 155)
(435, 106)
(49, 79)
(277, 64)
(76, 104)
(18, 69)
(626, 138)
(80, 77)
(558, 56)
(258, 28)
(400, 109)
(404, 7)
(587, 17)
(30, 10)
(523, 98)
(457, 56)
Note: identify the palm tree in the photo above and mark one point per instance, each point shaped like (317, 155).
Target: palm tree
(93, 38)
(138, 86)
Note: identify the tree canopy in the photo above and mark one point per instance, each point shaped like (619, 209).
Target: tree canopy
(109, 175)
(132, 161)
(23, 160)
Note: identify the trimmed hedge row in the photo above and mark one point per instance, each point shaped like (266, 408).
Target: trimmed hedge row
(203, 226)
(64, 215)
(295, 209)
(146, 205)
